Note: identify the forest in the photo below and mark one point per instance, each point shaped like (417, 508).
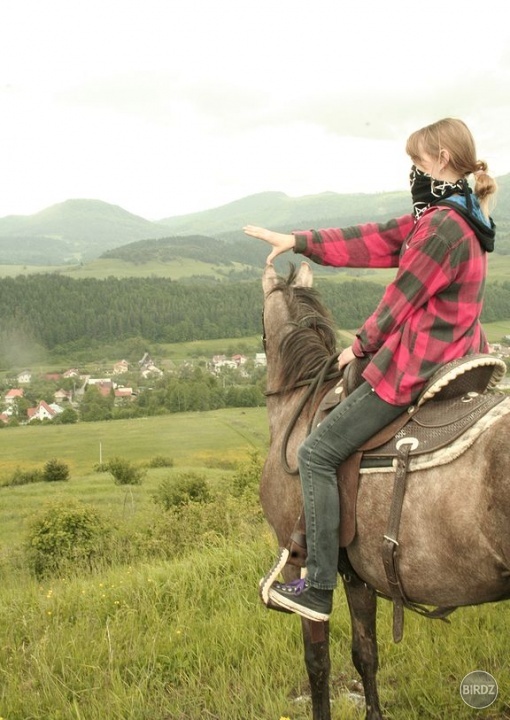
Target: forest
(56, 311)
(59, 313)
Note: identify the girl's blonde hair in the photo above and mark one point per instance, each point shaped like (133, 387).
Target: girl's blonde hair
(453, 135)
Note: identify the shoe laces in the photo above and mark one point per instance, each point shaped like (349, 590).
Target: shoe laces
(295, 586)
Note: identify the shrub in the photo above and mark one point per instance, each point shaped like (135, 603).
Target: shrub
(186, 488)
(25, 477)
(65, 536)
(160, 461)
(55, 471)
(193, 525)
(247, 477)
(124, 472)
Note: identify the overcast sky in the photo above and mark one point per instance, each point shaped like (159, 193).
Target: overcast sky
(166, 107)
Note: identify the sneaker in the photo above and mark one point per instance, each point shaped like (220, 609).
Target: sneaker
(301, 598)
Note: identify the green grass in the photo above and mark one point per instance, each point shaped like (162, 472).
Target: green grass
(100, 269)
(176, 270)
(189, 438)
(499, 271)
(186, 638)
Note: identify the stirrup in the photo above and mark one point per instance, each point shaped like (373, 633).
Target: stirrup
(268, 580)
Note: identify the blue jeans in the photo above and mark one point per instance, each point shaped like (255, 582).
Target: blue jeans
(350, 424)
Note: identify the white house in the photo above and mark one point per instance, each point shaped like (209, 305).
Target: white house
(12, 396)
(43, 411)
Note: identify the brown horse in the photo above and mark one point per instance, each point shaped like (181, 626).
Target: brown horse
(454, 543)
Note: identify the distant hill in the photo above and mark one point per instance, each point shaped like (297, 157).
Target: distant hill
(235, 256)
(79, 231)
(70, 232)
(277, 210)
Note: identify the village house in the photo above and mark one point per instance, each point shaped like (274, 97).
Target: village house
(71, 373)
(147, 367)
(123, 394)
(11, 397)
(260, 360)
(219, 362)
(499, 349)
(43, 411)
(63, 396)
(104, 385)
(121, 367)
(24, 377)
(52, 377)
(239, 359)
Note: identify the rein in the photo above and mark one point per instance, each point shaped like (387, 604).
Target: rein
(315, 384)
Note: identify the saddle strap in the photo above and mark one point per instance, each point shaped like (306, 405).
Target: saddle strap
(390, 542)
(390, 555)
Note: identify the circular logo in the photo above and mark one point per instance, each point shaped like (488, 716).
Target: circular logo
(479, 689)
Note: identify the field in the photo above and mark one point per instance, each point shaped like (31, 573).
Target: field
(499, 270)
(184, 637)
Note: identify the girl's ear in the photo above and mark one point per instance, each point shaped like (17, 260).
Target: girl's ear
(444, 158)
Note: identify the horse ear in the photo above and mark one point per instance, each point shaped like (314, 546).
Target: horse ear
(304, 278)
(269, 278)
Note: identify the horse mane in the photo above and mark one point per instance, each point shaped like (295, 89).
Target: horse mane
(311, 340)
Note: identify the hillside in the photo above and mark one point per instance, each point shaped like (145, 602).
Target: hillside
(79, 231)
(70, 232)
(275, 209)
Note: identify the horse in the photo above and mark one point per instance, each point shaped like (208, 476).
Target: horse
(454, 544)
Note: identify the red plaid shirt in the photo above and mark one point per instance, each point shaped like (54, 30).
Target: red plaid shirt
(430, 313)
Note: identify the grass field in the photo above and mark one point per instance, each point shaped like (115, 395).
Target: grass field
(499, 270)
(191, 439)
(186, 638)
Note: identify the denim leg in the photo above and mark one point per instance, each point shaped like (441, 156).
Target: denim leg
(350, 424)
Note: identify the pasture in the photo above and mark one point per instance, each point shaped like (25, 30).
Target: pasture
(184, 268)
(185, 637)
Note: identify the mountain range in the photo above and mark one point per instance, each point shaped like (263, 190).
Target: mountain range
(78, 231)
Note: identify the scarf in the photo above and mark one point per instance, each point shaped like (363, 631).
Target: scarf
(426, 190)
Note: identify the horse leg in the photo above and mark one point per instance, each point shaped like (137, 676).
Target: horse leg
(362, 602)
(317, 660)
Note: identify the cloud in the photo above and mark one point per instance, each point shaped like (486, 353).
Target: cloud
(169, 107)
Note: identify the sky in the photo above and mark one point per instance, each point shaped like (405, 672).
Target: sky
(167, 107)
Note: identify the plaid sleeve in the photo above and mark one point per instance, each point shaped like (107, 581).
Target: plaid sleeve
(370, 245)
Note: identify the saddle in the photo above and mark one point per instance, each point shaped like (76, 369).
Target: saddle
(457, 396)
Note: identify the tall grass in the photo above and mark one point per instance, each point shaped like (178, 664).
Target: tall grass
(169, 626)
(188, 639)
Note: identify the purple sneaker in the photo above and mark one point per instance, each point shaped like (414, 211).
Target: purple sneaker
(300, 597)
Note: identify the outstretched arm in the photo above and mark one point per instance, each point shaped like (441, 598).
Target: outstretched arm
(281, 242)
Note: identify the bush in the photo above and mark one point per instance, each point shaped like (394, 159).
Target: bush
(193, 525)
(55, 471)
(160, 461)
(124, 472)
(65, 537)
(24, 477)
(247, 477)
(186, 488)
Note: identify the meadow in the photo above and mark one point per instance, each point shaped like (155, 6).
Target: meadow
(181, 635)
(185, 268)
